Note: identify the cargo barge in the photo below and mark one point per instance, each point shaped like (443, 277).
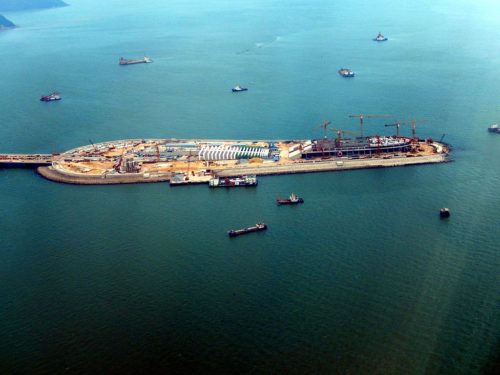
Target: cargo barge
(144, 60)
(293, 199)
(227, 182)
(238, 232)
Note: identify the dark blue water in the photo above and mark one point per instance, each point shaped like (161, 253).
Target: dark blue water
(362, 279)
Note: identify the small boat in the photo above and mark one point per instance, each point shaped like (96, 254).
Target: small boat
(238, 232)
(494, 128)
(444, 212)
(380, 38)
(250, 180)
(145, 60)
(50, 97)
(293, 199)
(238, 88)
(344, 72)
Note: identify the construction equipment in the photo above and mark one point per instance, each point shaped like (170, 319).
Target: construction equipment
(157, 153)
(93, 145)
(363, 116)
(340, 134)
(412, 123)
(324, 125)
(117, 164)
(397, 124)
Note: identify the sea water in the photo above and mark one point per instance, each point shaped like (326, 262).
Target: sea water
(363, 278)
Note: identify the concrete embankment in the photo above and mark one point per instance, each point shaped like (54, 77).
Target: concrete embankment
(67, 178)
(56, 174)
(333, 165)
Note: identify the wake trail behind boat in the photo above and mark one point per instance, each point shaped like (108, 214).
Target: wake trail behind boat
(260, 45)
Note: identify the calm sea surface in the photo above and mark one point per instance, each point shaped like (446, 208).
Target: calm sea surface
(364, 278)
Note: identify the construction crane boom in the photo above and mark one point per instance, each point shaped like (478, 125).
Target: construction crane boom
(363, 116)
(324, 125)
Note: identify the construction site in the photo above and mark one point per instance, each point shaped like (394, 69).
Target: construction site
(189, 161)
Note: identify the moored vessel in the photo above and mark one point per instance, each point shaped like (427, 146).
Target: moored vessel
(345, 72)
(144, 60)
(238, 232)
(293, 199)
(51, 97)
(250, 180)
(239, 88)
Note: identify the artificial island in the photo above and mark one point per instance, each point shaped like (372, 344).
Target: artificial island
(190, 161)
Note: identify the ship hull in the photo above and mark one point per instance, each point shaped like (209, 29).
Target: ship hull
(239, 232)
(281, 202)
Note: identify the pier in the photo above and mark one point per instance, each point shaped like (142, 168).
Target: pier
(20, 160)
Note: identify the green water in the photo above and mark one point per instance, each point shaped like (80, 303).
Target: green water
(363, 278)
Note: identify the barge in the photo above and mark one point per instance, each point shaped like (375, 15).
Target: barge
(144, 60)
(293, 199)
(240, 181)
(238, 232)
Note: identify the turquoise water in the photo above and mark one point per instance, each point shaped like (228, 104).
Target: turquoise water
(362, 279)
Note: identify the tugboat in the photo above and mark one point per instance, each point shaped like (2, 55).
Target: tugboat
(344, 72)
(51, 97)
(238, 232)
(238, 88)
(444, 212)
(293, 199)
(494, 128)
(380, 38)
(145, 60)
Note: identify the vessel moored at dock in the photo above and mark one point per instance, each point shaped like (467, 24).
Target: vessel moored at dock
(240, 181)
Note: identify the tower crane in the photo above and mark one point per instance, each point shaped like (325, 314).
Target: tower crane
(340, 133)
(363, 116)
(157, 152)
(93, 145)
(397, 124)
(324, 125)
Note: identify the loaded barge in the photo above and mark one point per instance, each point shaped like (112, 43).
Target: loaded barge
(238, 232)
(144, 60)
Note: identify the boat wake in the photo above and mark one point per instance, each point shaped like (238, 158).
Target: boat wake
(260, 45)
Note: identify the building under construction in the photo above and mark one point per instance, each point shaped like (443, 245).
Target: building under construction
(356, 147)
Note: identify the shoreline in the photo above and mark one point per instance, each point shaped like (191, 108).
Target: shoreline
(58, 175)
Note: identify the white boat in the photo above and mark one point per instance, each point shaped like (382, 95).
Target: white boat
(380, 38)
(494, 128)
(238, 88)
